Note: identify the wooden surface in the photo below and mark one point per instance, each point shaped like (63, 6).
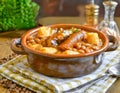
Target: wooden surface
(6, 37)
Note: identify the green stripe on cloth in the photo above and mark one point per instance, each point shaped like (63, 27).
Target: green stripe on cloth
(24, 81)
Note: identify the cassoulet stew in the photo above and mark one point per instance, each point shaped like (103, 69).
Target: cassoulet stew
(64, 41)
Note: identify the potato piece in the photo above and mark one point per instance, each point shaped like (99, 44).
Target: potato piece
(93, 38)
(50, 50)
(35, 46)
(70, 52)
(44, 32)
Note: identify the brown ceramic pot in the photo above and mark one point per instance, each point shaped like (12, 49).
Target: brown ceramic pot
(63, 66)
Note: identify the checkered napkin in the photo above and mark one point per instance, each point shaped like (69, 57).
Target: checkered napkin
(19, 71)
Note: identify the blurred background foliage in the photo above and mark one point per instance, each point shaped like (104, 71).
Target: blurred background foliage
(17, 14)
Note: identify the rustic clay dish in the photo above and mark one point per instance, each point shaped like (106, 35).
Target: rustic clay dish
(62, 66)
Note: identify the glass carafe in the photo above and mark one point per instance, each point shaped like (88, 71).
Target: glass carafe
(108, 25)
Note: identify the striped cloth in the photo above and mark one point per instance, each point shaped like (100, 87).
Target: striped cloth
(19, 71)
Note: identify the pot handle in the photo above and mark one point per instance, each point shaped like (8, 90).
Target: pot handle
(113, 43)
(17, 47)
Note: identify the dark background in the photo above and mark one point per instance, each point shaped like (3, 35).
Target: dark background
(69, 7)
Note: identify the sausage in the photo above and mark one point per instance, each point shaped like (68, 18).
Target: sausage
(71, 40)
(54, 40)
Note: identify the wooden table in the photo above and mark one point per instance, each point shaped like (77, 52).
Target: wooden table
(6, 37)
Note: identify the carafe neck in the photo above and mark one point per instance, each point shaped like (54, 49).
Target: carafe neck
(109, 10)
